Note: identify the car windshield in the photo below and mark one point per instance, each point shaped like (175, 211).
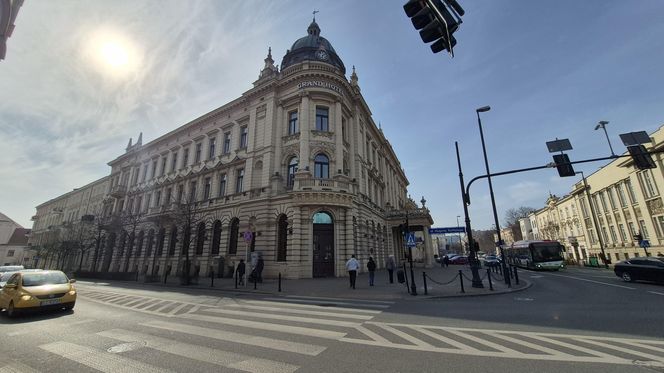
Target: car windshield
(5, 276)
(44, 278)
(546, 252)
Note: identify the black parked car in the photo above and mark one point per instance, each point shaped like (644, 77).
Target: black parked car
(641, 268)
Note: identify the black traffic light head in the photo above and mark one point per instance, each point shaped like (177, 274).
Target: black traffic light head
(565, 169)
(641, 157)
(638, 238)
(435, 21)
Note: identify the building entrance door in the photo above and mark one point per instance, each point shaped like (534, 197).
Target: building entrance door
(323, 250)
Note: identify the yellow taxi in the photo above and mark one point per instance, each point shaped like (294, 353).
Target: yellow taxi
(36, 291)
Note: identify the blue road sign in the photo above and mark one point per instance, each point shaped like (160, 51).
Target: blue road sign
(446, 230)
(410, 240)
(645, 243)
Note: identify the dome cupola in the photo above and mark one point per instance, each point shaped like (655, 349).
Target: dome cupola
(312, 47)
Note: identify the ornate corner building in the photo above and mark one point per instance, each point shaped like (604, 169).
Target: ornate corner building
(295, 170)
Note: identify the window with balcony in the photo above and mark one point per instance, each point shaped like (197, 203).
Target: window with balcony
(244, 137)
(227, 143)
(322, 119)
(213, 145)
(321, 167)
(292, 169)
(292, 123)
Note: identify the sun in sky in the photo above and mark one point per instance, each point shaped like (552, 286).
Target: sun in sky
(112, 53)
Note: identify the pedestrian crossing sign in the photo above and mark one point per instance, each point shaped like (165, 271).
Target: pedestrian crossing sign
(410, 240)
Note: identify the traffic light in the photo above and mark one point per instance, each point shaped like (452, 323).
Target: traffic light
(562, 164)
(638, 238)
(641, 157)
(436, 22)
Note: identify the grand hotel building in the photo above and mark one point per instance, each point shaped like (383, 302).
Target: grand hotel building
(297, 161)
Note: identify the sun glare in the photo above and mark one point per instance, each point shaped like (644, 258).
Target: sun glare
(112, 53)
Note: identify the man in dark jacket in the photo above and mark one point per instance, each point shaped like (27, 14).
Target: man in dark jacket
(259, 269)
(241, 268)
(371, 266)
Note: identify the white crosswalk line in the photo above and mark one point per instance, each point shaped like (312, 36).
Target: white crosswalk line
(449, 341)
(300, 312)
(271, 343)
(484, 342)
(311, 332)
(99, 360)
(527, 344)
(571, 346)
(308, 320)
(201, 353)
(297, 301)
(335, 299)
(177, 309)
(17, 367)
(309, 306)
(595, 342)
(403, 335)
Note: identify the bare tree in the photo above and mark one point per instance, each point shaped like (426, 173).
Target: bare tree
(512, 217)
(187, 213)
(130, 219)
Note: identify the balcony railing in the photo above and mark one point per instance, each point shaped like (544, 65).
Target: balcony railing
(322, 185)
(118, 190)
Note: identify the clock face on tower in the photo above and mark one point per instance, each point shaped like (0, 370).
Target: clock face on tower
(321, 55)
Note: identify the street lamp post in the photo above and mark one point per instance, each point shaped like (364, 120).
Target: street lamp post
(493, 200)
(413, 287)
(592, 213)
(602, 124)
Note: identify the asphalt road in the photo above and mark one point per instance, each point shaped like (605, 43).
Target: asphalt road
(577, 320)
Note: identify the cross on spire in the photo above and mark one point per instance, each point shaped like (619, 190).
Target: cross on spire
(314, 13)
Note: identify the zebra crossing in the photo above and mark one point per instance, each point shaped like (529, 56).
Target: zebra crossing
(297, 329)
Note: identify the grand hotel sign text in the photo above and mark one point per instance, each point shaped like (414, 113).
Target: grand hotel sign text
(319, 83)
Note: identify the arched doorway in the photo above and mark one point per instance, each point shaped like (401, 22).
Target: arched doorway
(323, 252)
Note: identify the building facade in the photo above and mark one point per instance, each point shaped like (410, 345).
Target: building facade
(295, 171)
(13, 242)
(624, 202)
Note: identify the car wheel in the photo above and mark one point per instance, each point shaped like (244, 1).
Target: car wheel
(627, 277)
(11, 311)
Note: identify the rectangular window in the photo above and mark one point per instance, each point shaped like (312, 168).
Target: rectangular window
(612, 201)
(292, 123)
(10, 253)
(180, 193)
(660, 223)
(185, 157)
(584, 208)
(213, 144)
(630, 190)
(169, 192)
(139, 203)
(197, 155)
(632, 229)
(243, 137)
(163, 165)
(145, 172)
(154, 168)
(157, 199)
(322, 119)
(644, 230)
(239, 180)
(591, 234)
(621, 195)
(648, 184)
(604, 235)
(603, 201)
(613, 233)
(222, 185)
(174, 162)
(227, 143)
(623, 234)
(192, 192)
(206, 191)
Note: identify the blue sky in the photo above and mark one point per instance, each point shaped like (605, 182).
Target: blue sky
(547, 68)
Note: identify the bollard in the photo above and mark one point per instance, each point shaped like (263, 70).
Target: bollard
(516, 276)
(488, 274)
(461, 279)
(424, 277)
(500, 268)
(165, 277)
(212, 279)
(236, 279)
(136, 276)
(255, 280)
(509, 269)
(280, 282)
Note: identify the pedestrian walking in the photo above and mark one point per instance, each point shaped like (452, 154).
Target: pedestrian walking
(446, 261)
(352, 265)
(260, 265)
(371, 266)
(241, 268)
(390, 266)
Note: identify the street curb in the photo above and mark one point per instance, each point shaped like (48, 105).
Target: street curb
(173, 286)
(458, 295)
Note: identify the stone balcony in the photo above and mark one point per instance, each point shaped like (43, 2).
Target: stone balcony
(118, 191)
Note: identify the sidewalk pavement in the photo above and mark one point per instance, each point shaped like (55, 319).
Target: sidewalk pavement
(441, 283)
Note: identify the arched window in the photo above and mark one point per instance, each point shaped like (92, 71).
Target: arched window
(160, 241)
(292, 169)
(216, 237)
(200, 239)
(233, 234)
(148, 245)
(321, 167)
(282, 237)
(322, 218)
(139, 244)
(172, 240)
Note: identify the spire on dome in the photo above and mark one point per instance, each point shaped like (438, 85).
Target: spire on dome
(269, 69)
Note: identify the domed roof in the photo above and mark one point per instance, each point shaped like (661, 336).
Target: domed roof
(312, 47)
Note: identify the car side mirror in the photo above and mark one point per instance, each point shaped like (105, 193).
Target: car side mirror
(10, 286)
(73, 280)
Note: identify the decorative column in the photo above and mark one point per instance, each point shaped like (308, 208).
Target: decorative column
(338, 136)
(276, 141)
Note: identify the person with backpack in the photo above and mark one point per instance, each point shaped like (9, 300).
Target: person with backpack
(371, 266)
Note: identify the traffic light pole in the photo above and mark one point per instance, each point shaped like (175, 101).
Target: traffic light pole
(592, 213)
(413, 287)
